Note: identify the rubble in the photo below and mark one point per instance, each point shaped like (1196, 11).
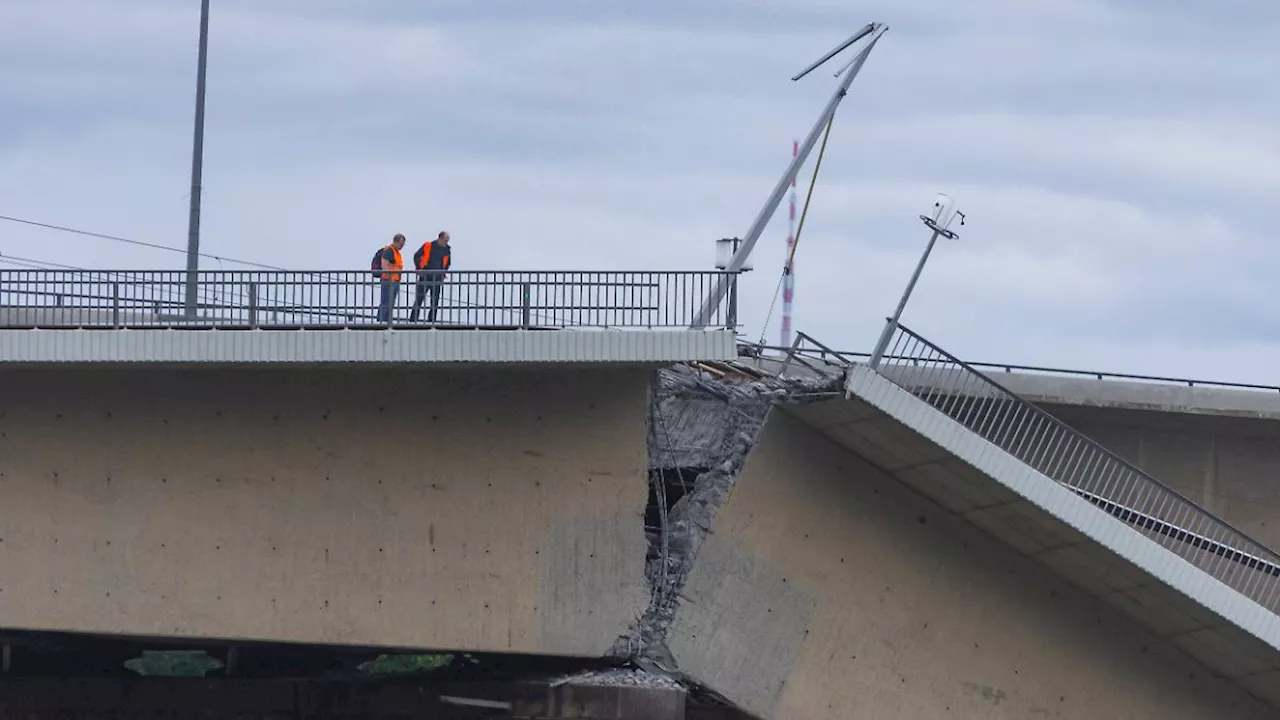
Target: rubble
(707, 423)
(620, 677)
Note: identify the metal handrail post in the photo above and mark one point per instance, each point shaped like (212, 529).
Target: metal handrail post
(791, 353)
(732, 319)
(525, 301)
(253, 304)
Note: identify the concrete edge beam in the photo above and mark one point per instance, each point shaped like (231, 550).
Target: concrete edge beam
(364, 346)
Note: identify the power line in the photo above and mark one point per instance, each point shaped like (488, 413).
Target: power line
(130, 241)
(39, 264)
(216, 295)
(44, 264)
(21, 263)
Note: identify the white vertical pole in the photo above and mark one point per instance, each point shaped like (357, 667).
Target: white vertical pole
(789, 276)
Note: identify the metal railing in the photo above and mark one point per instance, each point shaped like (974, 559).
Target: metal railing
(265, 299)
(823, 353)
(800, 349)
(1069, 457)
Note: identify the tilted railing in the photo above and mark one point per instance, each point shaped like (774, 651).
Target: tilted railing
(807, 347)
(254, 299)
(1067, 456)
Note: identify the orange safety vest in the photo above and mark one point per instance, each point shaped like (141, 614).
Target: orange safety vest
(427, 247)
(397, 264)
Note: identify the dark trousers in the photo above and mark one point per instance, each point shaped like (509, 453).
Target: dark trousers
(390, 289)
(433, 284)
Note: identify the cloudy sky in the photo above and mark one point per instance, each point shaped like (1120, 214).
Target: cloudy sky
(1119, 160)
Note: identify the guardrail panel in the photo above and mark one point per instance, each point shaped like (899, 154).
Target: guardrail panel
(253, 298)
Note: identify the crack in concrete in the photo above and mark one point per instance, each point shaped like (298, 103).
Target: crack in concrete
(698, 422)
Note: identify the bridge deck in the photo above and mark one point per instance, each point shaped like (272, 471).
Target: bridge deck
(1027, 480)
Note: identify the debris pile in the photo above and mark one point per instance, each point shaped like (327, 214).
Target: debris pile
(704, 423)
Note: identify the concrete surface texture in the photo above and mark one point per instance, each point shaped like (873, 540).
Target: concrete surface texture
(460, 508)
(712, 427)
(829, 589)
(1141, 395)
(1219, 447)
(1229, 465)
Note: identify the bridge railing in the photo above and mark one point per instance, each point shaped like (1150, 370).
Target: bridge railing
(1069, 457)
(807, 347)
(253, 299)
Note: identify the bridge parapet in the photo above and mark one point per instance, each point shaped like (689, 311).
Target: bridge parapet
(284, 316)
(349, 299)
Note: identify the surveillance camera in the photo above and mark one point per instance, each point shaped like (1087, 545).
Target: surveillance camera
(944, 209)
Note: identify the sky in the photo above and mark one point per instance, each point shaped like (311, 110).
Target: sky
(1118, 160)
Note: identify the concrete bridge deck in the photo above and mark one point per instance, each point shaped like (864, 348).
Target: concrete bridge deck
(932, 428)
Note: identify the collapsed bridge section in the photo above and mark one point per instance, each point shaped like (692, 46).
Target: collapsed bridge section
(883, 566)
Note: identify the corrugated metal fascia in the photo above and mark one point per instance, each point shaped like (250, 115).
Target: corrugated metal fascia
(285, 346)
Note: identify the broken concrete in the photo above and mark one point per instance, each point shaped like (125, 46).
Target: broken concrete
(693, 423)
(709, 425)
(618, 677)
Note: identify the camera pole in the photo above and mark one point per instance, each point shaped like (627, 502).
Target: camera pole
(942, 209)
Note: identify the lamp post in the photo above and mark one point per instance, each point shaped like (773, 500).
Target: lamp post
(197, 165)
(850, 71)
(726, 249)
(938, 220)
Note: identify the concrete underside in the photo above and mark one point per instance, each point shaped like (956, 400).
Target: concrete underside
(831, 589)
(428, 507)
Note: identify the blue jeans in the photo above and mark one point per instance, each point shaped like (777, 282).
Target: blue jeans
(432, 283)
(390, 289)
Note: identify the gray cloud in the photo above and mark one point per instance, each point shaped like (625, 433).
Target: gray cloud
(1117, 159)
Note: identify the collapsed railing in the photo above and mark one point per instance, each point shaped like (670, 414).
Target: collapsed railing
(253, 299)
(806, 347)
(1067, 456)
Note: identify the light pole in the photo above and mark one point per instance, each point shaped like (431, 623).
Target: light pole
(850, 71)
(197, 165)
(726, 249)
(938, 220)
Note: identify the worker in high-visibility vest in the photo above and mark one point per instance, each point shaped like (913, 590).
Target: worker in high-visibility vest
(391, 265)
(432, 262)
